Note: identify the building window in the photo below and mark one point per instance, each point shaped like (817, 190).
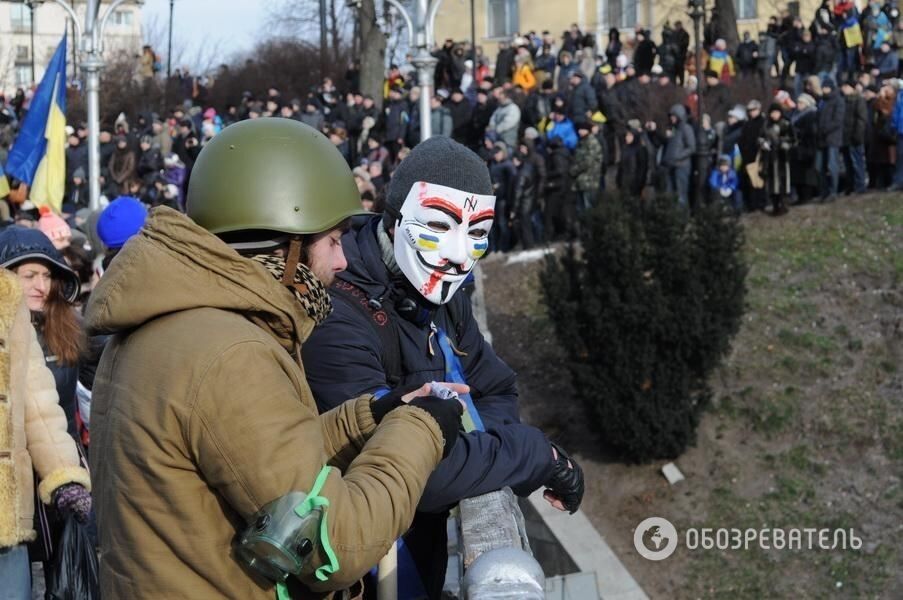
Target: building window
(122, 17)
(623, 14)
(20, 17)
(21, 52)
(746, 9)
(23, 75)
(503, 18)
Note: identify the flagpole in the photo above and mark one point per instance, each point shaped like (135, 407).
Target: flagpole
(90, 44)
(31, 20)
(91, 64)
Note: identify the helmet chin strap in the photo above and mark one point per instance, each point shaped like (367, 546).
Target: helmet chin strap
(292, 260)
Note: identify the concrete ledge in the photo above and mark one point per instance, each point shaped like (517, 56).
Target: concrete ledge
(589, 551)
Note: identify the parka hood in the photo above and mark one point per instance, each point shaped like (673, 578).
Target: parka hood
(679, 111)
(173, 265)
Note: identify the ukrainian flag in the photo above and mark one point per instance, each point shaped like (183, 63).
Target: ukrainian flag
(4, 184)
(38, 156)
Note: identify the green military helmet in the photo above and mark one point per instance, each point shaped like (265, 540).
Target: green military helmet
(271, 175)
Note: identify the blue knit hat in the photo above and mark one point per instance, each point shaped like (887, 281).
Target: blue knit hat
(119, 221)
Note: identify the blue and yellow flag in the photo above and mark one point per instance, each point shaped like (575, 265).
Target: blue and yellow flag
(38, 156)
(4, 184)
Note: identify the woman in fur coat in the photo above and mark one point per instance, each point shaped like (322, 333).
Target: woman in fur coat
(33, 439)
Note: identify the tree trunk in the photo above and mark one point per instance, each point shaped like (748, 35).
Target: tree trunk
(724, 18)
(324, 60)
(335, 34)
(372, 52)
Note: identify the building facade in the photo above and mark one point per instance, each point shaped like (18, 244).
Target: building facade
(50, 22)
(498, 20)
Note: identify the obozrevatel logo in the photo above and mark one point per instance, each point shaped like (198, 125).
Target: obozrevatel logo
(655, 538)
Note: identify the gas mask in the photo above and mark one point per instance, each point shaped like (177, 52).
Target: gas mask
(278, 541)
(286, 532)
(440, 235)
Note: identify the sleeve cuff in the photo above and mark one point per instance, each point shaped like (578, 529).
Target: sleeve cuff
(61, 477)
(364, 416)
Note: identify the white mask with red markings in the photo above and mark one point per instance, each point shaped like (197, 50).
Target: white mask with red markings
(439, 237)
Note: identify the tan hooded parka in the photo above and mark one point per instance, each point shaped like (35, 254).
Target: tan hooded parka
(201, 415)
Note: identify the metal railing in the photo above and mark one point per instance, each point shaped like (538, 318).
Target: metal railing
(489, 553)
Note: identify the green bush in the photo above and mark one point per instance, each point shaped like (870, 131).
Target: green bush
(646, 308)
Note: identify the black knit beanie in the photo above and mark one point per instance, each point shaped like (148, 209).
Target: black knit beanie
(439, 160)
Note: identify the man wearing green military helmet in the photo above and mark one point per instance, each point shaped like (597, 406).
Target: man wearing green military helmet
(213, 474)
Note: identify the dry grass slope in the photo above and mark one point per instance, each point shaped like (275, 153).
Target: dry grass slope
(807, 424)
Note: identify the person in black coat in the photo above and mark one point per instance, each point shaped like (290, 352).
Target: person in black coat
(538, 105)
(733, 127)
(831, 112)
(581, 99)
(558, 216)
(776, 143)
(504, 176)
(682, 41)
(747, 56)
(803, 173)
(150, 161)
(634, 165)
(855, 123)
(384, 334)
(788, 42)
(613, 49)
(716, 97)
(504, 64)
(480, 117)
(804, 56)
(461, 114)
(520, 211)
(753, 196)
(644, 55)
(826, 52)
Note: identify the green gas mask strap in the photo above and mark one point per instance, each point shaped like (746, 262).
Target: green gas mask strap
(313, 501)
(282, 592)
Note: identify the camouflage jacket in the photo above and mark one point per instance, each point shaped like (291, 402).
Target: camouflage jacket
(586, 170)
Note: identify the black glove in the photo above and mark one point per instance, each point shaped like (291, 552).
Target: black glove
(392, 400)
(447, 414)
(566, 480)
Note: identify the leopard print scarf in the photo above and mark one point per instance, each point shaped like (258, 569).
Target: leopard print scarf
(315, 301)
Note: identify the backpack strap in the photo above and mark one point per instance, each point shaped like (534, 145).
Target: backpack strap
(455, 319)
(383, 323)
(383, 320)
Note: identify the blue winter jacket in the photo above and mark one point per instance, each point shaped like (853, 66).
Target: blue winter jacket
(897, 117)
(719, 180)
(564, 130)
(342, 361)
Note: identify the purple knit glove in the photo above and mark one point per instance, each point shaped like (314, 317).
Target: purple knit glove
(74, 498)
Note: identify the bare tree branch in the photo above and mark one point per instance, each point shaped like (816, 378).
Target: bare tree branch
(7, 62)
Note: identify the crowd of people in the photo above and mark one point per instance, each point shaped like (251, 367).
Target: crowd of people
(526, 143)
(251, 263)
(804, 112)
(267, 253)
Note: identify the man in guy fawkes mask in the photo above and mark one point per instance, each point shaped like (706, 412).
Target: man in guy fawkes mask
(398, 323)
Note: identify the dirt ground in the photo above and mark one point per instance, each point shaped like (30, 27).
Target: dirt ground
(807, 424)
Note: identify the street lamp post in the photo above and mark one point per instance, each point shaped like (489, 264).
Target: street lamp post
(473, 36)
(90, 44)
(697, 13)
(420, 37)
(31, 6)
(169, 45)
